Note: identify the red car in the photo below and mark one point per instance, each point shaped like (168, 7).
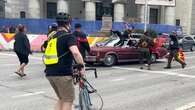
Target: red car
(110, 55)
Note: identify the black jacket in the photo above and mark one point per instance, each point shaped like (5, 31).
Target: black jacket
(174, 44)
(21, 44)
(147, 40)
(82, 43)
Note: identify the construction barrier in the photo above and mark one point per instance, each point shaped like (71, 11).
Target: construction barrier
(40, 26)
(7, 41)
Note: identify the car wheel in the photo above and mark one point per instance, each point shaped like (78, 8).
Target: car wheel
(153, 58)
(193, 48)
(109, 60)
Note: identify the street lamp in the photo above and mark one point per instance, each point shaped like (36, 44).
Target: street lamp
(145, 15)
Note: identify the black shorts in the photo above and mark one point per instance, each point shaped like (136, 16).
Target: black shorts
(22, 58)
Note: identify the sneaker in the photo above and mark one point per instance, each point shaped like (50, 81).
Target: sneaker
(183, 66)
(141, 68)
(20, 74)
(168, 67)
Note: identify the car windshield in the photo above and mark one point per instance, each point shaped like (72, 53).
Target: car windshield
(188, 38)
(111, 42)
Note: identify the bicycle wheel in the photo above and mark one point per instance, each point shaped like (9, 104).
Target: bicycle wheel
(84, 100)
(96, 101)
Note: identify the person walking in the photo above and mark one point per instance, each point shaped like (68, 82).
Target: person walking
(22, 49)
(51, 31)
(82, 41)
(144, 45)
(59, 55)
(174, 51)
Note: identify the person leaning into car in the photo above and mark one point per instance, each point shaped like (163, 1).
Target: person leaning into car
(144, 45)
(123, 37)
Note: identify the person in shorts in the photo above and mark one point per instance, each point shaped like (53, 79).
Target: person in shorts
(22, 49)
(60, 74)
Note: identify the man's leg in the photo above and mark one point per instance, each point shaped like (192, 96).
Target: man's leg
(67, 106)
(170, 58)
(22, 67)
(119, 42)
(122, 43)
(141, 58)
(59, 105)
(148, 57)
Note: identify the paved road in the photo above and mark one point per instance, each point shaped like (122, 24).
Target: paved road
(123, 87)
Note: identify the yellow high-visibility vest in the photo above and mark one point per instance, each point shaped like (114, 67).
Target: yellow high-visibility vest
(51, 53)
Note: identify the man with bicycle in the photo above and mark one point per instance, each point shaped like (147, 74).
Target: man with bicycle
(59, 55)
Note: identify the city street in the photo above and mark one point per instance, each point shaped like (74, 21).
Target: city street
(122, 87)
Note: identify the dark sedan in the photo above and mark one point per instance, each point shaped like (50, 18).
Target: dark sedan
(109, 55)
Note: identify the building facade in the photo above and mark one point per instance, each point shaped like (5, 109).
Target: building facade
(79, 9)
(185, 15)
(158, 13)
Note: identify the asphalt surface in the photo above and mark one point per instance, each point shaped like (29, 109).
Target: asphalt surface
(122, 87)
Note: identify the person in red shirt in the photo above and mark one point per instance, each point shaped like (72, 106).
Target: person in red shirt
(82, 42)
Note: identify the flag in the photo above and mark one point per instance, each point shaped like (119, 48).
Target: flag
(181, 55)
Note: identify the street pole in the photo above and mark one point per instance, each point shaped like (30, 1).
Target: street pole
(145, 15)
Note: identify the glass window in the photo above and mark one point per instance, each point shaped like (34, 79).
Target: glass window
(22, 14)
(188, 38)
(177, 22)
(51, 10)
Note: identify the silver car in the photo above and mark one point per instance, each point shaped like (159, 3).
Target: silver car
(187, 43)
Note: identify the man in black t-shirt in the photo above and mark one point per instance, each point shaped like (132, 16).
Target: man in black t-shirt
(82, 41)
(60, 74)
(173, 51)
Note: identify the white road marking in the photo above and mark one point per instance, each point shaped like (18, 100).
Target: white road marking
(188, 67)
(11, 64)
(157, 72)
(28, 94)
(32, 57)
(118, 79)
(187, 107)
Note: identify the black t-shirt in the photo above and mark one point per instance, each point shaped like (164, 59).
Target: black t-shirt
(82, 43)
(173, 45)
(64, 66)
(21, 44)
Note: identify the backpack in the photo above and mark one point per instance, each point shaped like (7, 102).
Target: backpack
(50, 56)
(144, 44)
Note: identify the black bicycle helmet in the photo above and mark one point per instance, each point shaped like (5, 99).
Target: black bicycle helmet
(63, 17)
(77, 25)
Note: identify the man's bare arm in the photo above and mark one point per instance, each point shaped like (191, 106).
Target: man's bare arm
(77, 56)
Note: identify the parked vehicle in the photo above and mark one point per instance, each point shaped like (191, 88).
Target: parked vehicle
(186, 42)
(110, 55)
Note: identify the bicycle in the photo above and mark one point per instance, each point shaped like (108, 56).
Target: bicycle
(85, 89)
